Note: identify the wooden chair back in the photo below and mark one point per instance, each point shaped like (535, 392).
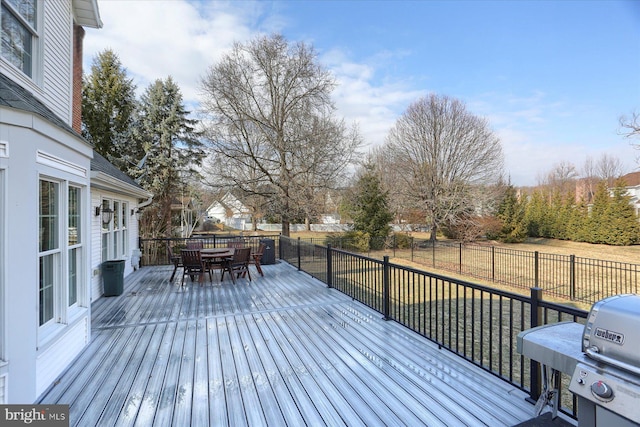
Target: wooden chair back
(195, 244)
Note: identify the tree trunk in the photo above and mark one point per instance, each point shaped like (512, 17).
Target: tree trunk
(434, 230)
(286, 228)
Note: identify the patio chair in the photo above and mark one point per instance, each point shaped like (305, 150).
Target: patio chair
(238, 266)
(174, 259)
(193, 265)
(257, 256)
(195, 244)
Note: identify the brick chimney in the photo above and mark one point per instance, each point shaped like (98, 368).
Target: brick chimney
(76, 99)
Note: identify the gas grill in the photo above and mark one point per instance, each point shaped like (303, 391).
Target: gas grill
(602, 357)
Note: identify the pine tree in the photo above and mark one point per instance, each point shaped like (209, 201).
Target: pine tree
(369, 208)
(623, 226)
(598, 222)
(173, 151)
(108, 109)
(512, 212)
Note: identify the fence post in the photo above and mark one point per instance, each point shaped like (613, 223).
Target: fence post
(385, 287)
(536, 267)
(299, 256)
(433, 252)
(572, 277)
(536, 320)
(493, 263)
(460, 257)
(329, 267)
(413, 241)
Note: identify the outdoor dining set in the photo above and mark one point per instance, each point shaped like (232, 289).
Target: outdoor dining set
(234, 259)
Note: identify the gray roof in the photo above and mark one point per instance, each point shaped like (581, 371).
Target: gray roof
(15, 96)
(100, 164)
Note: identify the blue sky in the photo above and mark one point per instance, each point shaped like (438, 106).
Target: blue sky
(551, 77)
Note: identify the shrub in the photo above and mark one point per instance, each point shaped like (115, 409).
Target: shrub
(356, 241)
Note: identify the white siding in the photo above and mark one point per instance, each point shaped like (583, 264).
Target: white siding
(3, 389)
(37, 148)
(54, 360)
(58, 57)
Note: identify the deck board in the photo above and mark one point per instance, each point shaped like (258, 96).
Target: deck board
(282, 349)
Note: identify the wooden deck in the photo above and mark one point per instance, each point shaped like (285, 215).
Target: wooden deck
(280, 350)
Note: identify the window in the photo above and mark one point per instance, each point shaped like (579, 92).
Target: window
(74, 241)
(61, 253)
(19, 33)
(49, 248)
(115, 234)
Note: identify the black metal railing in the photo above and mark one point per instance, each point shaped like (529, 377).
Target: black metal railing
(156, 251)
(576, 278)
(476, 322)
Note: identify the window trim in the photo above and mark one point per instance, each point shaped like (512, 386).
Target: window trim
(116, 235)
(37, 44)
(63, 312)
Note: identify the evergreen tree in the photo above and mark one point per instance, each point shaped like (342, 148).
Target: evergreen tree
(623, 226)
(173, 151)
(598, 228)
(512, 212)
(108, 109)
(535, 214)
(369, 208)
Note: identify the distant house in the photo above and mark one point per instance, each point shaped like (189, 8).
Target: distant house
(229, 211)
(53, 192)
(633, 189)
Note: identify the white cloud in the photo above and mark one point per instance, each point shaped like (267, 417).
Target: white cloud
(361, 98)
(156, 39)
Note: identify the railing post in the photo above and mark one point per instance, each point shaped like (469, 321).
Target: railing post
(299, 256)
(329, 266)
(385, 287)
(536, 268)
(534, 367)
(572, 277)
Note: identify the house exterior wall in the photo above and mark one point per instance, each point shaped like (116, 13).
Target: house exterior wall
(30, 354)
(36, 153)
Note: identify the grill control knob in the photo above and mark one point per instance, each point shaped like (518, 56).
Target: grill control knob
(601, 390)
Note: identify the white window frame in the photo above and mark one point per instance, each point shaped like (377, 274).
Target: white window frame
(114, 239)
(63, 312)
(3, 307)
(35, 73)
(75, 249)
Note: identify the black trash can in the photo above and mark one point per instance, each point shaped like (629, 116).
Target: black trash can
(113, 277)
(269, 254)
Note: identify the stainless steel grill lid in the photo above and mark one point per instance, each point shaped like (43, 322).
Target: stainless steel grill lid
(612, 332)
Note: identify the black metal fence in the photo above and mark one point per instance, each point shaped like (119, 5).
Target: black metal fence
(156, 251)
(476, 322)
(566, 276)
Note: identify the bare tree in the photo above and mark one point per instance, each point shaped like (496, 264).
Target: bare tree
(271, 122)
(560, 179)
(630, 126)
(449, 158)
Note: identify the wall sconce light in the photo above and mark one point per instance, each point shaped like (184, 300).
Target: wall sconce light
(97, 210)
(107, 215)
